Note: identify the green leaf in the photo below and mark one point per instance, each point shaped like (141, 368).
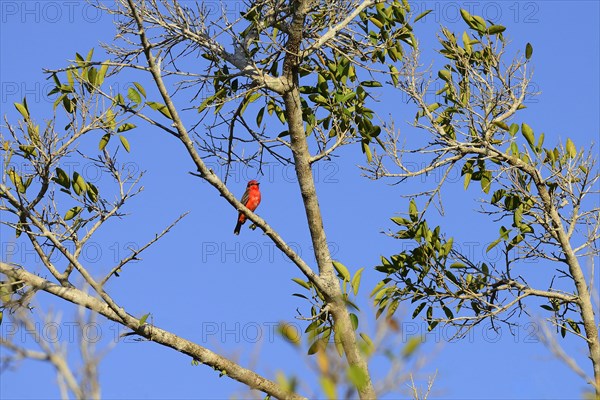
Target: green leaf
(571, 149)
(22, 109)
(418, 309)
(367, 150)
(16, 180)
(316, 98)
(514, 148)
(401, 221)
(280, 114)
(161, 108)
(540, 143)
(466, 41)
(493, 244)
(92, 192)
(68, 104)
(377, 287)
(144, 318)
(368, 341)
(528, 134)
(429, 313)
(302, 283)
(110, 120)
(342, 270)
(92, 75)
(451, 277)
(515, 241)
(119, 99)
(501, 125)
(466, 16)
(528, 51)
(406, 5)
(498, 195)
(72, 213)
(524, 228)
(514, 128)
(354, 320)
(467, 179)
(445, 75)
(394, 74)
(125, 143)
(357, 376)
(101, 74)
(573, 325)
(495, 29)
(70, 76)
(79, 185)
(62, 178)
(518, 216)
(28, 150)
(126, 127)
(249, 99)
(356, 281)
(413, 211)
(411, 346)
(104, 141)
(448, 312)
(329, 388)
(315, 347)
(422, 15)
(205, 103)
(140, 88)
(486, 178)
(478, 23)
(133, 95)
(433, 107)
(259, 116)
(371, 84)
(343, 98)
(512, 202)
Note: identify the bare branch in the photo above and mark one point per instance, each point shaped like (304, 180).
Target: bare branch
(151, 332)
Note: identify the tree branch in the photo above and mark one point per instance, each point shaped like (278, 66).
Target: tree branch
(152, 333)
(332, 32)
(203, 170)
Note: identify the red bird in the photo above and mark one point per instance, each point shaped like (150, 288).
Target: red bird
(250, 199)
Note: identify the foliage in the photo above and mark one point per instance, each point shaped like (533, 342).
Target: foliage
(539, 194)
(305, 66)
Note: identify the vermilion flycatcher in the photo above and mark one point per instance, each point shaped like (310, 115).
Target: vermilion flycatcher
(250, 199)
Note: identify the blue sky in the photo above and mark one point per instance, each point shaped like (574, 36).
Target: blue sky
(227, 292)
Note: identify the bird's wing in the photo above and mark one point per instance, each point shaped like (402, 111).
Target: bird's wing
(245, 197)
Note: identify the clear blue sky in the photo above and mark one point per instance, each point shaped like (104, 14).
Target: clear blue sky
(226, 292)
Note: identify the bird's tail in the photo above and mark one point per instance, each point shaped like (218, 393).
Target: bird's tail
(238, 226)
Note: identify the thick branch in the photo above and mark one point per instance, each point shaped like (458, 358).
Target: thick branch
(302, 158)
(152, 333)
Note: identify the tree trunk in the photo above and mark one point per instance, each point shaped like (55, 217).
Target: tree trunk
(293, 111)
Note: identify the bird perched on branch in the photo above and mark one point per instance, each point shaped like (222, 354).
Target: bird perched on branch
(251, 199)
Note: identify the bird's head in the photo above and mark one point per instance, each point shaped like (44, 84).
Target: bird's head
(253, 183)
